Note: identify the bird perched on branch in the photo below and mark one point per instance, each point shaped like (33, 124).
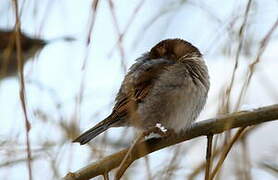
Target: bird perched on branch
(29, 47)
(167, 85)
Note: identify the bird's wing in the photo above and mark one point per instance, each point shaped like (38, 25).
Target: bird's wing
(137, 84)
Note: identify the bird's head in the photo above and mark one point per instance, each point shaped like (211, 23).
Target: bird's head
(173, 49)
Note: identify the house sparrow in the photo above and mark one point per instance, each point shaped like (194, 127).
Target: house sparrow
(167, 85)
(29, 47)
(8, 56)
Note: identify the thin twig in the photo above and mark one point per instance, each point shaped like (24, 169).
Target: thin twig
(241, 34)
(128, 24)
(22, 89)
(148, 169)
(252, 66)
(106, 176)
(91, 27)
(246, 159)
(167, 8)
(17, 161)
(172, 165)
(208, 156)
(118, 31)
(270, 167)
(127, 160)
(226, 151)
(80, 95)
(216, 152)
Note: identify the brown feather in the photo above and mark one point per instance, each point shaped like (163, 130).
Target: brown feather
(137, 89)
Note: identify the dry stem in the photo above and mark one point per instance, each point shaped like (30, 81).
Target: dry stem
(208, 157)
(226, 151)
(22, 88)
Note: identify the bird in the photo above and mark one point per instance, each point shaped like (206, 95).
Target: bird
(167, 85)
(30, 46)
(8, 56)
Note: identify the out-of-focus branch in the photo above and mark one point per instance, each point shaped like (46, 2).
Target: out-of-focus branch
(206, 127)
(119, 34)
(216, 152)
(226, 151)
(270, 167)
(252, 66)
(19, 58)
(208, 157)
(227, 102)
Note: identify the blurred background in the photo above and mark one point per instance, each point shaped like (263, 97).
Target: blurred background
(81, 51)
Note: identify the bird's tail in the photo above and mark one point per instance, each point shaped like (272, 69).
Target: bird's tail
(96, 130)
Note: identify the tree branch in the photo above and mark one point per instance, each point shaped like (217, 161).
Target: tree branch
(202, 128)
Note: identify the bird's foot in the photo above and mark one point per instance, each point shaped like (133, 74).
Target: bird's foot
(159, 130)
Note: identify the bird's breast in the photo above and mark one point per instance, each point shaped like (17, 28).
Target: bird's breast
(175, 101)
(186, 106)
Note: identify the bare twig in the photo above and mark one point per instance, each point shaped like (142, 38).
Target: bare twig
(270, 167)
(246, 171)
(22, 88)
(91, 27)
(208, 156)
(148, 169)
(206, 127)
(17, 161)
(252, 66)
(241, 34)
(128, 24)
(118, 31)
(216, 152)
(167, 172)
(106, 176)
(127, 160)
(226, 151)
(80, 95)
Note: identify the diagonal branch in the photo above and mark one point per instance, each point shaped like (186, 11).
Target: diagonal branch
(203, 128)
